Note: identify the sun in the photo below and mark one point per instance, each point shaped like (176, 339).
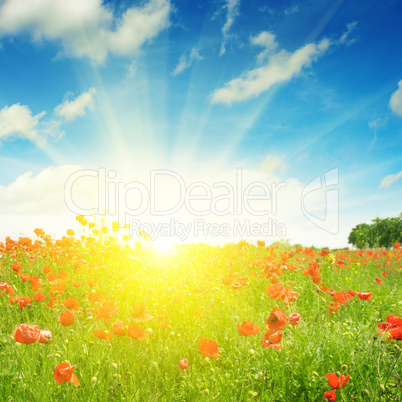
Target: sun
(163, 245)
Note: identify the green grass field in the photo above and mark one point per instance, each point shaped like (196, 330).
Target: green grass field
(155, 307)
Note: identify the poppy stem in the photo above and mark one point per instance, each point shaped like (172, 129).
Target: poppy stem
(396, 358)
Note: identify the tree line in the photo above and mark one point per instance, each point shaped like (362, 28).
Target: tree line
(380, 233)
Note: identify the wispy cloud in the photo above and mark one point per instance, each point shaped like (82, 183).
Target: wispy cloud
(375, 125)
(395, 102)
(281, 67)
(71, 109)
(291, 10)
(388, 181)
(187, 61)
(85, 28)
(345, 38)
(232, 11)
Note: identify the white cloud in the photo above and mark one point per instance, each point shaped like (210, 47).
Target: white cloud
(85, 28)
(388, 181)
(18, 121)
(30, 194)
(268, 41)
(232, 11)
(187, 61)
(39, 201)
(71, 109)
(281, 67)
(395, 102)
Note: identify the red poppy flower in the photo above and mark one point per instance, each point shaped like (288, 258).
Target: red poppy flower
(183, 363)
(71, 303)
(45, 336)
(277, 320)
(22, 301)
(107, 311)
(140, 314)
(27, 334)
(39, 232)
(394, 320)
(47, 269)
(66, 318)
(64, 373)
(333, 307)
(208, 347)
(248, 328)
(395, 333)
(119, 328)
(365, 296)
(336, 382)
(8, 288)
(378, 280)
(52, 278)
(39, 297)
(342, 297)
(294, 318)
(352, 293)
(330, 396)
(137, 332)
(271, 339)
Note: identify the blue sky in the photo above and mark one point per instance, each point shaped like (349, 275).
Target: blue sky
(285, 90)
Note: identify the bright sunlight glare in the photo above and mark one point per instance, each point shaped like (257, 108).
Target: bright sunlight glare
(163, 245)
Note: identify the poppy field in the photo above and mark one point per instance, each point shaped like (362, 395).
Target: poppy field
(88, 317)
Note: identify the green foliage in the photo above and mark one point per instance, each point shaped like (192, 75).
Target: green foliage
(380, 233)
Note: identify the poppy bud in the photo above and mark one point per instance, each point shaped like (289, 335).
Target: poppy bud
(344, 367)
(93, 380)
